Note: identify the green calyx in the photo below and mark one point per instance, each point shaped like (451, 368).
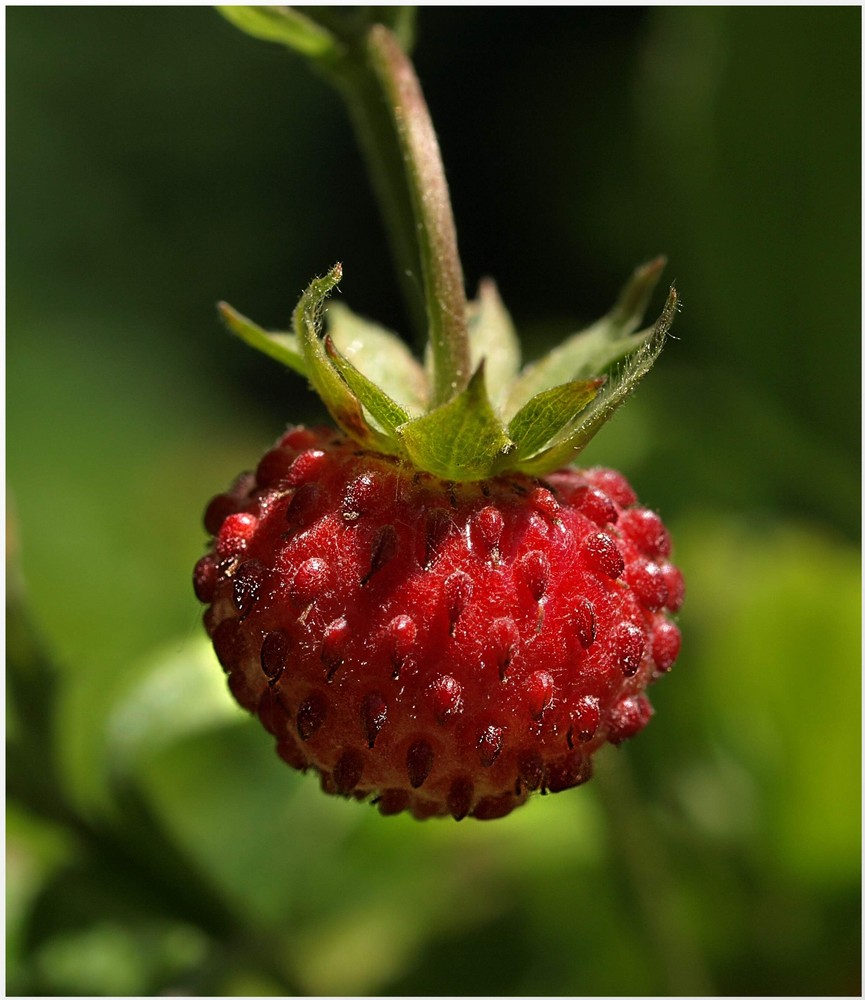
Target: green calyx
(468, 412)
(505, 419)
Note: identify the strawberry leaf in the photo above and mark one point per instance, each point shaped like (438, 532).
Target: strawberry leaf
(493, 339)
(283, 347)
(593, 350)
(388, 414)
(285, 25)
(380, 356)
(462, 439)
(548, 413)
(614, 393)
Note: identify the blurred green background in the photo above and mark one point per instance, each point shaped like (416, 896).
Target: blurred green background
(160, 161)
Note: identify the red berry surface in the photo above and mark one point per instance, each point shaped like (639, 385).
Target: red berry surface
(442, 648)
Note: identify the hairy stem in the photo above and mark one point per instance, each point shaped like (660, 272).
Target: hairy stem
(434, 230)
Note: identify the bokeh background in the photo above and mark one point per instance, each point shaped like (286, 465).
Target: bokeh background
(160, 161)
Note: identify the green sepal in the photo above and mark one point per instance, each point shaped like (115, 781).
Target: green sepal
(462, 439)
(379, 355)
(341, 403)
(594, 350)
(283, 347)
(285, 25)
(548, 414)
(614, 393)
(493, 339)
(388, 414)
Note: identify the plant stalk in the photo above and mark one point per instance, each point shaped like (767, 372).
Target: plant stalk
(407, 170)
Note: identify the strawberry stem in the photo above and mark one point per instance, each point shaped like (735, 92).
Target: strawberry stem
(444, 291)
(368, 65)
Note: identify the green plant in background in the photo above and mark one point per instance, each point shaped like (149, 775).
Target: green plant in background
(131, 873)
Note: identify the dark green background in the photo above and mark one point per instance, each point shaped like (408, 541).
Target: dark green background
(160, 161)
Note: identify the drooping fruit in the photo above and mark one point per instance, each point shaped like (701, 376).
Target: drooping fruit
(445, 645)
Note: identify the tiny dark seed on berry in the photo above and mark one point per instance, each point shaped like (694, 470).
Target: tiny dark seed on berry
(585, 621)
(384, 548)
(459, 797)
(503, 641)
(310, 716)
(628, 647)
(373, 714)
(333, 646)
(458, 589)
(219, 508)
(306, 467)
(246, 586)
(439, 528)
(534, 568)
(539, 688)
(666, 642)
(601, 552)
(490, 745)
(628, 717)
(401, 637)
(303, 507)
(347, 772)
(587, 718)
(228, 643)
(274, 654)
(204, 579)
(447, 697)
(418, 762)
(530, 767)
(392, 801)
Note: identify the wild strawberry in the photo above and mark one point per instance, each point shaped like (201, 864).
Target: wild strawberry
(428, 607)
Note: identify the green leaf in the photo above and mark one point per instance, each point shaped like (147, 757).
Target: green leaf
(380, 355)
(591, 351)
(335, 394)
(383, 409)
(285, 25)
(283, 347)
(548, 413)
(462, 439)
(493, 339)
(607, 401)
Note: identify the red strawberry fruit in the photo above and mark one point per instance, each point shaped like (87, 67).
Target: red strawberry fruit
(428, 607)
